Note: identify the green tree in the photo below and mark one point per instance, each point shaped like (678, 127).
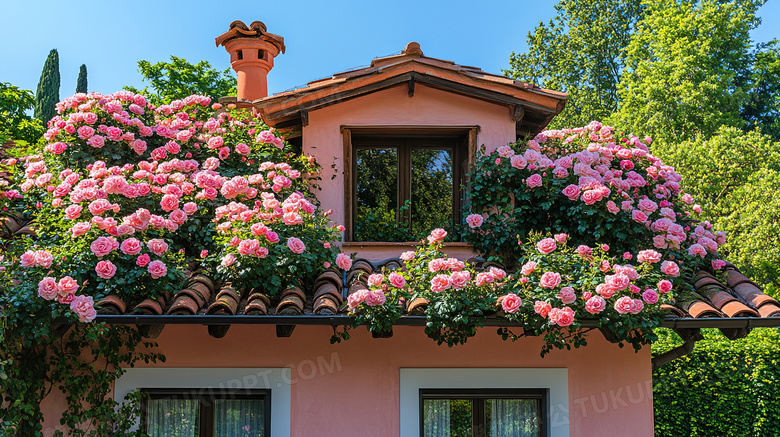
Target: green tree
(682, 67)
(81, 84)
(582, 52)
(178, 79)
(762, 108)
(48, 93)
(15, 124)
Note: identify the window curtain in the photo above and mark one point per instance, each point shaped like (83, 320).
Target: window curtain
(437, 417)
(239, 418)
(513, 418)
(173, 417)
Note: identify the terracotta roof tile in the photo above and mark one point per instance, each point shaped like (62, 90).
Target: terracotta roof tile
(712, 300)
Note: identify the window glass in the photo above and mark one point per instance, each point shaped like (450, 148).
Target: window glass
(377, 195)
(173, 417)
(512, 417)
(239, 418)
(447, 417)
(432, 190)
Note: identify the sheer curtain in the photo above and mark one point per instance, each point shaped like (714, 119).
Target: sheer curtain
(173, 417)
(437, 417)
(239, 418)
(513, 418)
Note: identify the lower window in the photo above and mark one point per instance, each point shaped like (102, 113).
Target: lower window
(482, 413)
(206, 413)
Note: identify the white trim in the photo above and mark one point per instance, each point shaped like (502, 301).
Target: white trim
(276, 379)
(556, 380)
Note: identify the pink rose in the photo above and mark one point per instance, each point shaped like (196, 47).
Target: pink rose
(550, 280)
(178, 216)
(474, 220)
(169, 202)
(357, 298)
(584, 251)
(664, 286)
(670, 268)
(636, 306)
(533, 181)
(546, 245)
(43, 258)
(528, 268)
(560, 238)
(697, 249)
(228, 260)
(562, 316)
(375, 280)
(73, 212)
(68, 285)
(511, 303)
(605, 290)
(440, 283)
(497, 273)
(105, 269)
(518, 162)
(437, 235)
(650, 296)
(47, 288)
(375, 297)
(272, 237)
(248, 247)
(157, 269)
(131, 246)
(617, 282)
(296, 245)
(102, 246)
(638, 216)
(436, 264)
(572, 192)
(595, 304)
(397, 280)
(460, 279)
(591, 196)
(343, 261)
(649, 256)
(567, 295)
(612, 207)
(142, 260)
(718, 264)
(542, 308)
(407, 256)
(483, 279)
(83, 306)
(623, 305)
(157, 246)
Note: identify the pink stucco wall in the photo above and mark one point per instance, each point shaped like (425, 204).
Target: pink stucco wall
(323, 139)
(610, 389)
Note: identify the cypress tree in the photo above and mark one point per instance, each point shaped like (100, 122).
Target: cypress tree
(48, 88)
(81, 85)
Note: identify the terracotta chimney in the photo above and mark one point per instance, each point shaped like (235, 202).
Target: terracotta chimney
(252, 51)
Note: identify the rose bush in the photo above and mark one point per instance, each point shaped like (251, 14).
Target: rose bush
(591, 184)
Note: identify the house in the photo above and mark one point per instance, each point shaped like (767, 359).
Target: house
(239, 364)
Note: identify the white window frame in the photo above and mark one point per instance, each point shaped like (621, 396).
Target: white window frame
(276, 379)
(555, 380)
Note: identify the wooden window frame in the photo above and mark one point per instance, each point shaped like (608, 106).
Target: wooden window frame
(464, 147)
(478, 397)
(206, 398)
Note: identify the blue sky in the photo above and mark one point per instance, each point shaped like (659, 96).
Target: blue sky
(322, 37)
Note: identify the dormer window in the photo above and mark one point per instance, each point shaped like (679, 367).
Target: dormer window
(404, 183)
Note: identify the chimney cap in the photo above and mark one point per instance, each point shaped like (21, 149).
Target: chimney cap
(257, 29)
(413, 48)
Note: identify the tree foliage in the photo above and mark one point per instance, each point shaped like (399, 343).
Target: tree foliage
(178, 79)
(682, 68)
(81, 84)
(15, 124)
(581, 52)
(48, 93)
(762, 108)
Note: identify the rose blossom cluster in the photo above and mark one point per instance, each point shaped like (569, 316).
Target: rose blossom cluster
(616, 176)
(380, 285)
(552, 274)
